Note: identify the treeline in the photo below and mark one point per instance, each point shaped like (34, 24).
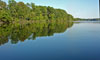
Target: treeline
(18, 11)
(81, 19)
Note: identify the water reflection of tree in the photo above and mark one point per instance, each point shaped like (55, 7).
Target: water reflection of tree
(19, 32)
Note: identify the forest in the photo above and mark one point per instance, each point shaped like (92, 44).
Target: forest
(19, 11)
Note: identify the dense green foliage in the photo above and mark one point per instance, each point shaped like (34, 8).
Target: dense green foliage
(21, 32)
(17, 11)
(16, 14)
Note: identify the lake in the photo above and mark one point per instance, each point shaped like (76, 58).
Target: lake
(50, 41)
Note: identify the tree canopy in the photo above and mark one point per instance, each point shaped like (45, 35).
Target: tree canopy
(18, 11)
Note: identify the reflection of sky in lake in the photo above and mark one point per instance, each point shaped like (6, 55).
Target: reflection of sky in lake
(80, 42)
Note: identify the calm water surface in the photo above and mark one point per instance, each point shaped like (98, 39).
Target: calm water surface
(69, 41)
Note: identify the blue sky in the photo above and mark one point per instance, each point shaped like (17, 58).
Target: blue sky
(78, 8)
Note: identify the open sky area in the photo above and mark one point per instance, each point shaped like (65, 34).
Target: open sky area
(77, 8)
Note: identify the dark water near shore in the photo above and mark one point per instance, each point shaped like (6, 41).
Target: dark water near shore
(50, 41)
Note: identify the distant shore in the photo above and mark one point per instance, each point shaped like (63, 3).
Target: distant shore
(90, 19)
